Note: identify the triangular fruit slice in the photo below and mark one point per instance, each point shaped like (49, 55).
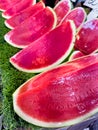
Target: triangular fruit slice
(62, 96)
(6, 4)
(23, 4)
(61, 9)
(23, 15)
(78, 15)
(46, 52)
(87, 37)
(76, 54)
(32, 28)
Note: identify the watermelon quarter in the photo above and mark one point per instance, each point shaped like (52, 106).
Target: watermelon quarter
(87, 37)
(23, 4)
(32, 28)
(46, 52)
(78, 15)
(6, 4)
(62, 96)
(76, 54)
(23, 15)
(62, 8)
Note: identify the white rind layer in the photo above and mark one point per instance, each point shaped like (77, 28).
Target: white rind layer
(54, 64)
(37, 122)
(8, 16)
(7, 36)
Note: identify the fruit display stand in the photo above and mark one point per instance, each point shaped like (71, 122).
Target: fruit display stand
(10, 80)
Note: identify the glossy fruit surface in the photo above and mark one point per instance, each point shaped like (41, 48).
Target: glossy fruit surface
(46, 52)
(62, 96)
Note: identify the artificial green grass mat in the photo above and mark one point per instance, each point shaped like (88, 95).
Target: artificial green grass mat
(11, 80)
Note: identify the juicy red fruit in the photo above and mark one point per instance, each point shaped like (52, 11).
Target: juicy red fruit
(87, 37)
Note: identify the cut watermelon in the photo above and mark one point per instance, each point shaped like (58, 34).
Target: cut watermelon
(32, 28)
(46, 52)
(87, 37)
(23, 15)
(76, 54)
(61, 9)
(62, 96)
(23, 4)
(6, 4)
(78, 15)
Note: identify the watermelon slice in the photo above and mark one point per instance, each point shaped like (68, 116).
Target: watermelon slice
(78, 15)
(23, 15)
(62, 8)
(32, 28)
(6, 4)
(46, 52)
(87, 37)
(62, 96)
(76, 54)
(23, 4)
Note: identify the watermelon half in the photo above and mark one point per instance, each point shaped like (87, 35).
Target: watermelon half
(32, 28)
(78, 15)
(62, 96)
(23, 4)
(87, 37)
(6, 4)
(46, 52)
(23, 15)
(62, 8)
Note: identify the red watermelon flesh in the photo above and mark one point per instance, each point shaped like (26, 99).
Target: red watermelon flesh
(32, 28)
(78, 15)
(87, 37)
(62, 96)
(61, 9)
(23, 4)
(46, 52)
(6, 4)
(76, 54)
(23, 15)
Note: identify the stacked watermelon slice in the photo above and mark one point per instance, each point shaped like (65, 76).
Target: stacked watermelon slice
(62, 95)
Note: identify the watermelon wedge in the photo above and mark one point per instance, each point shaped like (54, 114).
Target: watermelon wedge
(23, 15)
(6, 4)
(23, 4)
(78, 15)
(76, 54)
(62, 8)
(87, 37)
(62, 96)
(46, 52)
(32, 28)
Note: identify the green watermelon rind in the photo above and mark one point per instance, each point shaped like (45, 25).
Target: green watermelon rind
(37, 122)
(60, 60)
(7, 17)
(9, 41)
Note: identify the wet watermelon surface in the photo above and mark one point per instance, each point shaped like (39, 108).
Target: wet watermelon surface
(11, 78)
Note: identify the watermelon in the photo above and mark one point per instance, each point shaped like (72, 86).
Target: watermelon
(87, 37)
(32, 28)
(46, 52)
(78, 15)
(23, 4)
(6, 4)
(61, 9)
(76, 54)
(62, 96)
(23, 15)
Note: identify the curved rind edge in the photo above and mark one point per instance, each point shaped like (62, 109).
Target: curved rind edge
(37, 122)
(57, 62)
